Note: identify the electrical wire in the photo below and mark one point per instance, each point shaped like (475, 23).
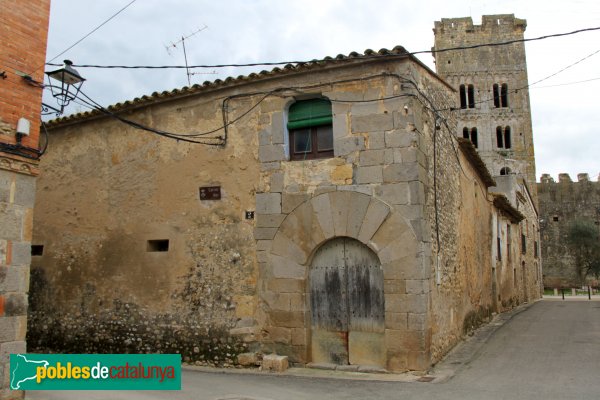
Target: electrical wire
(330, 59)
(90, 33)
(567, 83)
(88, 102)
(140, 126)
(565, 68)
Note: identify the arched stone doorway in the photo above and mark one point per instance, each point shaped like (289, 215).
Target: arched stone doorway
(370, 224)
(347, 304)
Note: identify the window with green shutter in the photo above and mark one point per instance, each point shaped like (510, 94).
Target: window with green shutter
(310, 129)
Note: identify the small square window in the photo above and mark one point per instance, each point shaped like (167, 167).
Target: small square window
(161, 245)
(37, 250)
(555, 218)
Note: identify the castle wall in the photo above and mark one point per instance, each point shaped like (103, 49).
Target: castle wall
(562, 203)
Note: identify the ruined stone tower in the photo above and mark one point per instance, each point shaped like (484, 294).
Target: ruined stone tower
(492, 98)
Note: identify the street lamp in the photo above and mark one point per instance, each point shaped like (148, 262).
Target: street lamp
(70, 84)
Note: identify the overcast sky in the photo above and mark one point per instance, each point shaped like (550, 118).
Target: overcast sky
(566, 113)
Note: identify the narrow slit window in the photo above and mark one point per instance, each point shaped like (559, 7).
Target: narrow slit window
(157, 246)
(499, 246)
(507, 138)
(499, 137)
(466, 133)
(463, 97)
(508, 240)
(500, 95)
(37, 250)
(496, 95)
(471, 95)
(504, 95)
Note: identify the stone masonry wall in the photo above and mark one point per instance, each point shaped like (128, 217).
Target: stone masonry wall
(562, 203)
(372, 190)
(106, 190)
(458, 217)
(17, 193)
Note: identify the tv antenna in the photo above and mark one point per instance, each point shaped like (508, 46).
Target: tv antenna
(174, 45)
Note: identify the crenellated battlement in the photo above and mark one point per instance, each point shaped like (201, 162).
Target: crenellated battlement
(489, 23)
(566, 178)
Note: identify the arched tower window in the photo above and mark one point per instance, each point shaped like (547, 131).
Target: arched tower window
(471, 134)
(500, 95)
(474, 136)
(507, 138)
(499, 137)
(505, 171)
(503, 137)
(467, 96)
(471, 95)
(504, 95)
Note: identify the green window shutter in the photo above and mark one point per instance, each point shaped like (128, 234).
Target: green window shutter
(307, 113)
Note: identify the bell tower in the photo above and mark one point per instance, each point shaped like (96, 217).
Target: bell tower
(492, 95)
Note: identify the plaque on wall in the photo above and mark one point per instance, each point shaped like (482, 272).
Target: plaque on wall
(210, 193)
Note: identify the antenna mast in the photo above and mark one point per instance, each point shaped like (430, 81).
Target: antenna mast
(182, 41)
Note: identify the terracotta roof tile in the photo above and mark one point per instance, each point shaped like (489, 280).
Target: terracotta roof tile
(196, 88)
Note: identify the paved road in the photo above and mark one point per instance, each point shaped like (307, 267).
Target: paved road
(550, 350)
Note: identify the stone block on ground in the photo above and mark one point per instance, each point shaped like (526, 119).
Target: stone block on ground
(275, 363)
(248, 359)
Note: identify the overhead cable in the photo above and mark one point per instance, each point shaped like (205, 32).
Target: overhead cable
(362, 57)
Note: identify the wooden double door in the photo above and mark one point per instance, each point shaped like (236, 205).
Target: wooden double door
(347, 305)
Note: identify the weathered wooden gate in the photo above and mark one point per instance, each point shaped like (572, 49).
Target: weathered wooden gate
(347, 304)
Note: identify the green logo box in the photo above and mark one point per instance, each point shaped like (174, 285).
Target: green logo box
(95, 372)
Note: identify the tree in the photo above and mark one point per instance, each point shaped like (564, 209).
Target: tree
(583, 240)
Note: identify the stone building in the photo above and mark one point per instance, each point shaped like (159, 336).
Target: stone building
(330, 214)
(24, 32)
(494, 111)
(562, 203)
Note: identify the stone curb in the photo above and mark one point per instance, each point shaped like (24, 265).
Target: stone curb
(301, 372)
